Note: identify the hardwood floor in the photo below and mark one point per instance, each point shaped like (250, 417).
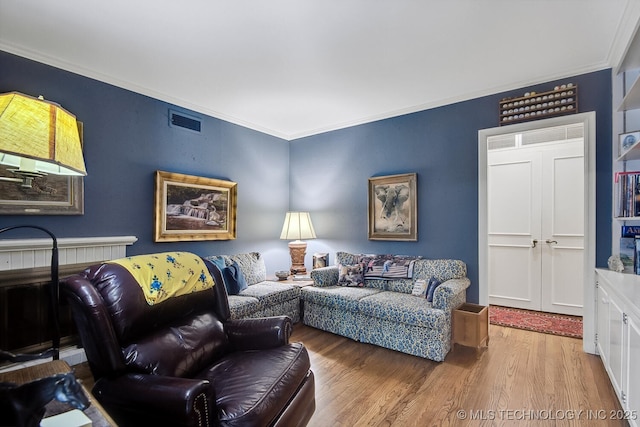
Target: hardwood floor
(523, 378)
(520, 376)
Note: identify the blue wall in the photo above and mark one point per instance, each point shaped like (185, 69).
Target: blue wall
(127, 138)
(329, 175)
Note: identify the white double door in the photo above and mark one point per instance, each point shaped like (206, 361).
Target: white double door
(536, 226)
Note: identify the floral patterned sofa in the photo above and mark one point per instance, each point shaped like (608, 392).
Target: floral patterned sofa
(260, 297)
(386, 311)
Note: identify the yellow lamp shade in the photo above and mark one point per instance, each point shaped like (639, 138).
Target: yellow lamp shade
(42, 131)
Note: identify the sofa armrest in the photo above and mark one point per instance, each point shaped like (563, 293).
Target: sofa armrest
(451, 294)
(325, 276)
(156, 400)
(260, 333)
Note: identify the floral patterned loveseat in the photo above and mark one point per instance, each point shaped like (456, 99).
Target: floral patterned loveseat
(260, 297)
(391, 312)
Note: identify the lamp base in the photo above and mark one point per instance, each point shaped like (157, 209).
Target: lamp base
(298, 250)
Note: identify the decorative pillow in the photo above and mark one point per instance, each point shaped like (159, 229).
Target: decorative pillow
(252, 266)
(419, 288)
(431, 288)
(218, 260)
(350, 275)
(234, 280)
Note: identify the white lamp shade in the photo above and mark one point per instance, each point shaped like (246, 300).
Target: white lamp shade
(39, 136)
(297, 226)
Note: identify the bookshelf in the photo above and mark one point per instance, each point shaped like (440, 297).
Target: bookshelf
(626, 159)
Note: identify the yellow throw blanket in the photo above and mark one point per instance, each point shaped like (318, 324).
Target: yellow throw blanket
(169, 274)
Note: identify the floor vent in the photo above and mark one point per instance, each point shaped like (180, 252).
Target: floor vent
(184, 121)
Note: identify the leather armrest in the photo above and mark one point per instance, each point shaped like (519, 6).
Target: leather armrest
(153, 398)
(258, 334)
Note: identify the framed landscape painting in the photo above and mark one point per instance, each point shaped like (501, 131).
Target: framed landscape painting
(393, 207)
(191, 208)
(48, 195)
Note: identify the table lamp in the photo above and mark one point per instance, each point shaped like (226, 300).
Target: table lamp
(297, 226)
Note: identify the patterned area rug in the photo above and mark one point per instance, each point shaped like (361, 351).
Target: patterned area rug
(536, 321)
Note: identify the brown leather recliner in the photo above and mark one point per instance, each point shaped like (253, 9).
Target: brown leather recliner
(183, 362)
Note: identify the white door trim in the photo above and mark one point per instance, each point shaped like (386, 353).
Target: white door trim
(589, 122)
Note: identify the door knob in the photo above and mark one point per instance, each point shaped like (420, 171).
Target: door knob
(534, 243)
(552, 241)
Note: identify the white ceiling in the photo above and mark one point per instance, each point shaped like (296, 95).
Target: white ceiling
(293, 68)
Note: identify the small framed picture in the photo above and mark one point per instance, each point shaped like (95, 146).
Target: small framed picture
(628, 140)
(320, 259)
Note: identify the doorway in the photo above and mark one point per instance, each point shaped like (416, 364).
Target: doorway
(535, 207)
(574, 127)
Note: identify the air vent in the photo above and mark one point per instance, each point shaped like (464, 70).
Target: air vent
(501, 141)
(184, 121)
(554, 134)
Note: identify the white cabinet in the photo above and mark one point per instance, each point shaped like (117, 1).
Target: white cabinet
(602, 326)
(616, 353)
(618, 336)
(632, 379)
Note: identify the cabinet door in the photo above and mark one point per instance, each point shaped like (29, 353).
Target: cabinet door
(633, 368)
(616, 334)
(602, 325)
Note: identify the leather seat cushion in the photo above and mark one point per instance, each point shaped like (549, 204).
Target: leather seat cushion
(253, 387)
(182, 349)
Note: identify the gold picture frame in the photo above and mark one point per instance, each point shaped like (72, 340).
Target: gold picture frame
(393, 207)
(194, 208)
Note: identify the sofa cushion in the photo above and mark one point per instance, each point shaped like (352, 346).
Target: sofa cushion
(346, 258)
(402, 308)
(242, 307)
(270, 293)
(350, 275)
(441, 269)
(252, 266)
(234, 279)
(337, 296)
(404, 286)
(324, 276)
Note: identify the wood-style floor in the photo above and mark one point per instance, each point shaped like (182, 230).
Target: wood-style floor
(523, 378)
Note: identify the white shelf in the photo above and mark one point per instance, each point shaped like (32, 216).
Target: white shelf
(633, 153)
(631, 100)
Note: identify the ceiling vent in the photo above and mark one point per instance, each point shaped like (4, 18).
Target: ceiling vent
(184, 121)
